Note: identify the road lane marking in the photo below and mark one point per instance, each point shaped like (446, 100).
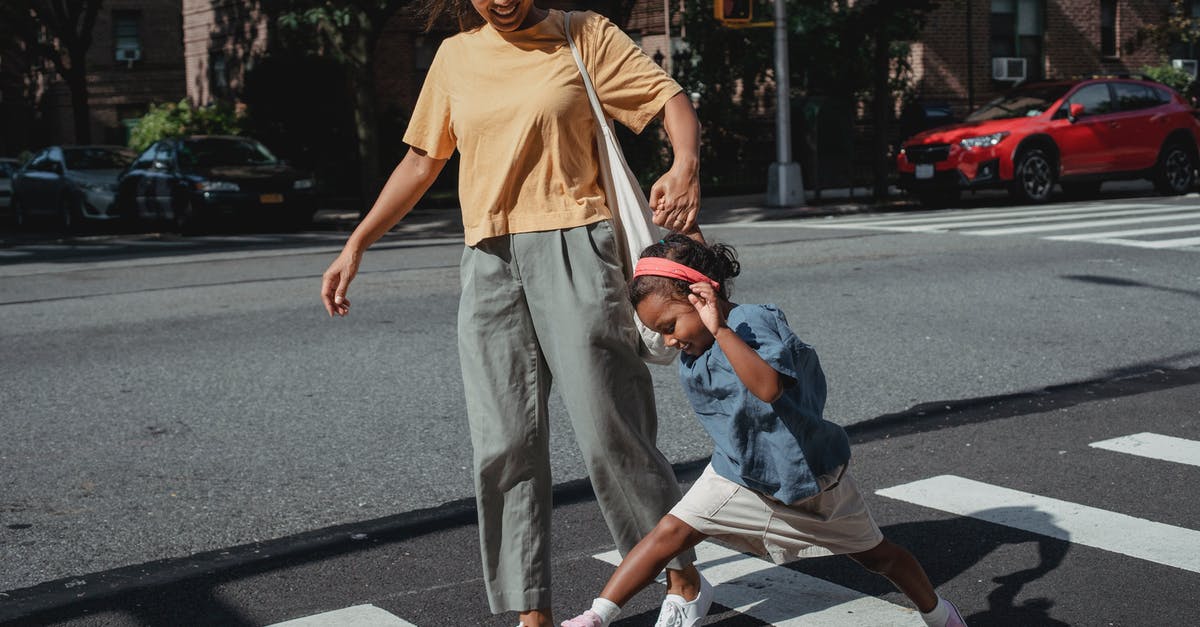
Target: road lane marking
(947, 222)
(1080, 524)
(1086, 224)
(355, 616)
(967, 214)
(785, 598)
(1158, 230)
(1155, 446)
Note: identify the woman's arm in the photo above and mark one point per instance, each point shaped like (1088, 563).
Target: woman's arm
(408, 182)
(675, 197)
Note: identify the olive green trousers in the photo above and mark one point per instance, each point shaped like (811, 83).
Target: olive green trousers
(536, 308)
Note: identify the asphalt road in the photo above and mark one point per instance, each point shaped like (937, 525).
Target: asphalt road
(165, 398)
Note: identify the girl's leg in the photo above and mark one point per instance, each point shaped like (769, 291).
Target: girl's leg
(904, 571)
(641, 565)
(507, 385)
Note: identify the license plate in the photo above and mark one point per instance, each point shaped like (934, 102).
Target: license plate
(924, 170)
(271, 199)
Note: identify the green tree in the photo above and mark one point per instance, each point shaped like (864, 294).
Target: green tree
(346, 31)
(59, 31)
(182, 119)
(841, 54)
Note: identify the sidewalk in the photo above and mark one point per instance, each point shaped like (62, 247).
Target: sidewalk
(445, 222)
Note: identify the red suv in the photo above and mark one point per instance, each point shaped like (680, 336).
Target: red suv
(1075, 133)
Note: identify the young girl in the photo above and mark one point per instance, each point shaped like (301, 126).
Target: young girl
(777, 484)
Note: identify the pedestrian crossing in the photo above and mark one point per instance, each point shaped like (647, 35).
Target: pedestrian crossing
(1150, 225)
(779, 596)
(782, 597)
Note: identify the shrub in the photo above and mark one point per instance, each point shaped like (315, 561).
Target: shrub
(1170, 76)
(180, 119)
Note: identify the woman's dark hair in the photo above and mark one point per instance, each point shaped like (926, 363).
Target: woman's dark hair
(461, 12)
(717, 261)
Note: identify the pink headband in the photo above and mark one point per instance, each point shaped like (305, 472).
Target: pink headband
(658, 266)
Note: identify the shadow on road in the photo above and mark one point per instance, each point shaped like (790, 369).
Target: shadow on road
(186, 590)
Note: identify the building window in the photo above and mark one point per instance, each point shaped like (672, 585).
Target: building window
(1108, 28)
(1018, 31)
(127, 38)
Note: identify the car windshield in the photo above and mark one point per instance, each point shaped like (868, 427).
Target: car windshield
(92, 158)
(1025, 102)
(211, 152)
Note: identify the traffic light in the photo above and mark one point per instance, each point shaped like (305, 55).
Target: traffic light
(731, 12)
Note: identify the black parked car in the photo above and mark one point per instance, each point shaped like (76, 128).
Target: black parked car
(189, 180)
(70, 183)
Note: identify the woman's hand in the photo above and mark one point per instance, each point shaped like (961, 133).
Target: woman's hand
(704, 299)
(675, 198)
(336, 281)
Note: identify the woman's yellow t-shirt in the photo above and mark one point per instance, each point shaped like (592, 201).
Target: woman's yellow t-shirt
(515, 107)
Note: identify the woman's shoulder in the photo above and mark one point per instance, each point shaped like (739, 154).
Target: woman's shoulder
(589, 25)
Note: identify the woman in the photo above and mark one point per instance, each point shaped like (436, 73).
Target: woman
(543, 294)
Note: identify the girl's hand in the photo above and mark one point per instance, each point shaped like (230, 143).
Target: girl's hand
(336, 281)
(704, 299)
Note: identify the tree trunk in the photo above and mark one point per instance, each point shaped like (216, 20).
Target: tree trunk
(76, 79)
(881, 104)
(366, 127)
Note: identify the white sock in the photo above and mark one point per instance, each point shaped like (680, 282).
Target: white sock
(607, 610)
(938, 616)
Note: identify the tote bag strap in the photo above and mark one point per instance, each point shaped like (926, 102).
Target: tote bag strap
(587, 83)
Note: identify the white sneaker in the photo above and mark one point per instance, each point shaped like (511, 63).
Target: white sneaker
(678, 612)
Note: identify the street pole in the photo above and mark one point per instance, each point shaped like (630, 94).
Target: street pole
(667, 34)
(784, 185)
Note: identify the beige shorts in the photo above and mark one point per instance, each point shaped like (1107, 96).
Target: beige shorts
(835, 521)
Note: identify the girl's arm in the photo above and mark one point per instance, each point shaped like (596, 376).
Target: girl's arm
(756, 374)
(675, 197)
(408, 182)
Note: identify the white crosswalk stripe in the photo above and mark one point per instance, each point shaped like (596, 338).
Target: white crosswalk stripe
(785, 598)
(1079, 524)
(1072, 223)
(1155, 446)
(355, 616)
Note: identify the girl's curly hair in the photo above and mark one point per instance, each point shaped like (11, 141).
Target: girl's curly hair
(717, 261)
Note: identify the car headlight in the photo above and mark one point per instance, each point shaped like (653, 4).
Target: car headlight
(983, 141)
(303, 184)
(217, 186)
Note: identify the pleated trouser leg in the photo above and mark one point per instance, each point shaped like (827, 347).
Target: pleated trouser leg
(537, 306)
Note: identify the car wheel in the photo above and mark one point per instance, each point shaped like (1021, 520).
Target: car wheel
(939, 199)
(71, 213)
(18, 211)
(1081, 190)
(184, 216)
(1176, 170)
(1034, 176)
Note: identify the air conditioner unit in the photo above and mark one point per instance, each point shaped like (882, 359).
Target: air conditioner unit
(1187, 65)
(129, 53)
(1008, 68)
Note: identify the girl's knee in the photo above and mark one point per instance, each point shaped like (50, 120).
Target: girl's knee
(673, 531)
(880, 559)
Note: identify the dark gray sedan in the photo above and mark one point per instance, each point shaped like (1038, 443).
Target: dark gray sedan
(72, 184)
(186, 181)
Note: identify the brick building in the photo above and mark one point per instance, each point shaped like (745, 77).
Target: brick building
(224, 39)
(136, 59)
(953, 61)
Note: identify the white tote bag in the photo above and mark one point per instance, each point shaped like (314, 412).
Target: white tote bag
(631, 214)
